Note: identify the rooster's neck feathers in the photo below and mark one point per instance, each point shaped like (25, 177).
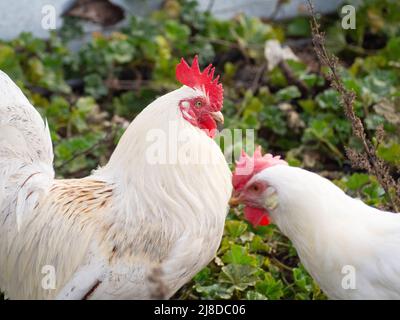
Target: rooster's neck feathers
(170, 188)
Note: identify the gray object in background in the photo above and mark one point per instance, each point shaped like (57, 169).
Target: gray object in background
(17, 16)
(265, 8)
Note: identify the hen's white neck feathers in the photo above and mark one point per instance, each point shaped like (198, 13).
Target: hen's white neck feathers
(331, 230)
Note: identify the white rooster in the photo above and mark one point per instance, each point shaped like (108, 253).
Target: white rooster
(351, 249)
(102, 237)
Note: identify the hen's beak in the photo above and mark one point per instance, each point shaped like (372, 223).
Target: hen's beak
(235, 200)
(218, 116)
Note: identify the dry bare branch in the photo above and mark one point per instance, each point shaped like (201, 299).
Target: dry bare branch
(366, 159)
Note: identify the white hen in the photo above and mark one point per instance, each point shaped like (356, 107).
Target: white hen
(351, 249)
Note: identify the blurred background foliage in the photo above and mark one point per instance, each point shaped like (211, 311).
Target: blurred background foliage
(89, 97)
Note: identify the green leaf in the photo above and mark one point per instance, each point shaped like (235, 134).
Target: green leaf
(329, 99)
(176, 31)
(302, 280)
(94, 86)
(288, 93)
(235, 228)
(335, 39)
(273, 118)
(239, 255)
(238, 276)
(379, 84)
(9, 62)
(270, 287)
(86, 104)
(392, 49)
(357, 180)
(215, 291)
(299, 27)
(308, 105)
(390, 152)
(131, 103)
(203, 276)
(257, 244)
(373, 193)
(254, 295)
(121, 51)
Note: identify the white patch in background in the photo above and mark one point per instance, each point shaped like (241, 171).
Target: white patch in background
(349, 17)
(49, 280)
(349, 279)
(274, 52)
(49, 17)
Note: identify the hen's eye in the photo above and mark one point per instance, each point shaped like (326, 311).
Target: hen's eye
(255, 188)
(198, 104)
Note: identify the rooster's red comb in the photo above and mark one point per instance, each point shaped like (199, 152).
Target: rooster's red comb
(247, 167)
(192, 77)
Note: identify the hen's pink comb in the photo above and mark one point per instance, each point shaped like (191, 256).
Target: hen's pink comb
(247, 167)
(192, 77)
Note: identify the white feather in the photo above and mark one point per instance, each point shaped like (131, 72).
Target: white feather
(26, 153)
(330, 231)
(109, 231)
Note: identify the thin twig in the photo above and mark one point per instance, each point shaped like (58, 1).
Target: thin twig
(292, 79)
(366, 159)
(258, 77)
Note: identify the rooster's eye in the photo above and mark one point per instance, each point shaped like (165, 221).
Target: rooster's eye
(198, 104)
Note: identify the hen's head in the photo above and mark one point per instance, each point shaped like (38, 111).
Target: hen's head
(254, 193)
(203, 108)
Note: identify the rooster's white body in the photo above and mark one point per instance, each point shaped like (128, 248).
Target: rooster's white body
(104, 236)
(352, 250)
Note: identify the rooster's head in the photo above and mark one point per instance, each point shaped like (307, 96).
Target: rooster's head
(203, 108)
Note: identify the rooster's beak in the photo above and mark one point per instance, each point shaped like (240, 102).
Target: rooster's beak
(218, 116)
